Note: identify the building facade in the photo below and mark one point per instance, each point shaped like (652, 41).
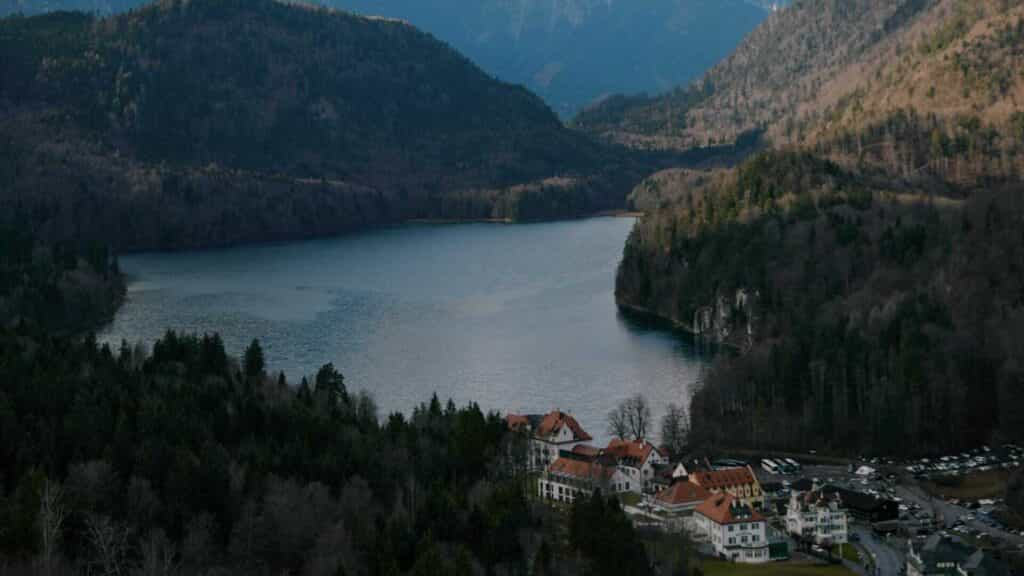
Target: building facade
(571, 476)
(735, 530)
(548, 434)
(740, 483)
(638, 459)
(817, 516)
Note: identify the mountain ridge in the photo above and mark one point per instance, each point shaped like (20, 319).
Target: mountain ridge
(300, 122)
(557, 48)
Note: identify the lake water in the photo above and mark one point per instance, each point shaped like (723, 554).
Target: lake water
(514, 317)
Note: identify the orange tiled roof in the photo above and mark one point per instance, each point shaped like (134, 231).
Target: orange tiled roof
(586, 450)
(683, 493)
(719, 508)
(721, 479)
(582, 469)
(553, 423)
(638, 451)
(517, 421)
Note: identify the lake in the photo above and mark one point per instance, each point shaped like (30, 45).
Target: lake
(513, 317)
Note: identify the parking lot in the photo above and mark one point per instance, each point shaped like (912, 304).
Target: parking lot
(921, 513)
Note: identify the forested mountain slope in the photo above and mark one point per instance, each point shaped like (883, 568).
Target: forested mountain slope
(207, 122)
(869, 319)
(777, 66)
(868, 267)
(182, 460)
(563, 50)
(925, 89)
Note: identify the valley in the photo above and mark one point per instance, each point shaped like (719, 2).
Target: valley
(287, 289)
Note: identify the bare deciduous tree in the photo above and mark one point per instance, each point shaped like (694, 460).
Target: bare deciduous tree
(618, 425)
(51, 521)
(630, 419)
(675, 429)
(158, 557)
(110, 544)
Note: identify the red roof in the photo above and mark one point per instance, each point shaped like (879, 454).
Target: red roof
(582, 469)
(724, 509)
(547, 425)
(683, 493)
(637, 450)
(722, 479)
(517, 421)
(552, 424)
(586, 450)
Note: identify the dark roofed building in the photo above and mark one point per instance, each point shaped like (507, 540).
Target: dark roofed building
(938, 556)
(802, 485)
(982, 564)
(866, 507)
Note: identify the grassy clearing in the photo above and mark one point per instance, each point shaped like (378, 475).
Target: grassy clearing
(848, 552)
(630, 499)
(719, 568)
(991, 484)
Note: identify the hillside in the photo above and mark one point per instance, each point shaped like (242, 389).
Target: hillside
(210, 122)
(872, 83)
(868, 319)
(559, 49)
(866, 266)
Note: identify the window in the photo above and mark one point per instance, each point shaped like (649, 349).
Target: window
(731, 527)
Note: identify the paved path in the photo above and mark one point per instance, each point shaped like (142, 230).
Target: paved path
(888, 560)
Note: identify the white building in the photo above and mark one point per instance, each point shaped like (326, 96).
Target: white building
(572, 475)
(549, 435)
(818, 517)
(735, 530)
(637, 459)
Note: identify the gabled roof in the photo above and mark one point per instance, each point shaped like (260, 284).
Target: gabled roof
(682, 493)
(634, 450)
(982, 564)
(938, 548)
(820, 498)
(859, 501)
(586, 450)
(581, 469)
(517, 422)
(721, 479)
(554, 422)
(544, 426)
(724, 509)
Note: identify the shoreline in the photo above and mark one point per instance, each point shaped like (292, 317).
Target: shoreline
(600, 214)
(674, 325)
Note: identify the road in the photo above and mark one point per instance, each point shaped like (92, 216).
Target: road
(889, 561)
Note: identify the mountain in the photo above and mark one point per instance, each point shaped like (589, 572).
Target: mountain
(856, 78)
(775, 69)
(209, 122)
(570, 52)
(865, 264)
